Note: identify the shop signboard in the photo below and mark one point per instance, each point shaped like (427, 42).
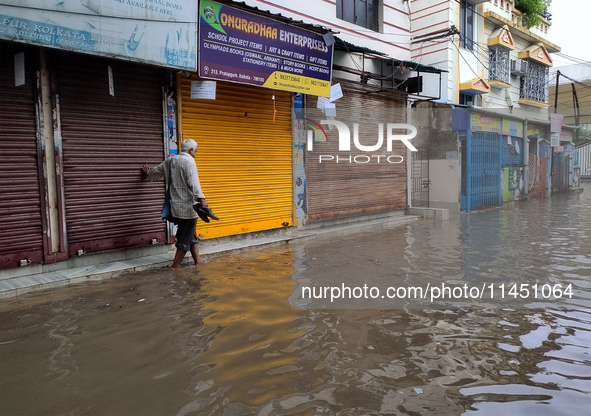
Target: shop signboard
(556, 122)
(512, 128)
(537, 131)
(513, 178)
(566, 135)
(161, 32)
(238, 46)
(485, 122)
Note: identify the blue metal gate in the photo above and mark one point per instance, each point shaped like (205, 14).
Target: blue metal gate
(483, 170)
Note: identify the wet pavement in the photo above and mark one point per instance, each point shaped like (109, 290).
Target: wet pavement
(235, 337)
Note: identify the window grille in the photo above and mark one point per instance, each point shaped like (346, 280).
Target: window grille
(534, 86)
(499, 65)
(512, 152)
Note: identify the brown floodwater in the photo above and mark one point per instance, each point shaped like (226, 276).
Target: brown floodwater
(235, 336)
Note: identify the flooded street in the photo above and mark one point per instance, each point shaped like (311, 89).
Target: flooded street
(235, 336)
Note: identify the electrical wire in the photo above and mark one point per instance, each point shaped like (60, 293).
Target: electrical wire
(581, 96)
(572, 58)
(353, 34)
(569, 102)
(575, 81)
(569, 91)
(476, 56)
(475, 73)
(588, 63)
(480, 45)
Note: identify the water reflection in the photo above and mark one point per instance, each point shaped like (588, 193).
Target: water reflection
(225, 340)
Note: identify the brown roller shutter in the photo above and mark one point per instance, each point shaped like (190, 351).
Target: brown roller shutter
(106, 140)
(337, 190)
(21, 228)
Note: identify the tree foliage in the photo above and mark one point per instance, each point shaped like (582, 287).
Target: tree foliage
(532, 10)
(583, 136)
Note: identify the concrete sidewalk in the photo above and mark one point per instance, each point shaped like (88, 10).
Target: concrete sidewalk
(21, 285)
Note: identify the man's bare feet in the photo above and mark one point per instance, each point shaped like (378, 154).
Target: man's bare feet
(195, 253)
(178, 258)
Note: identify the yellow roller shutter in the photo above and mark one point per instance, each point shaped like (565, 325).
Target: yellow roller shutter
(243, 155)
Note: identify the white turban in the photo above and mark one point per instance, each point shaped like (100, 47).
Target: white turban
(188, 144)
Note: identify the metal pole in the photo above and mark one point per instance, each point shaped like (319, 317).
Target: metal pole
(577, 111)
(556, 91)
(500, 136)
(552, 148)
(468, 170)
(526, 159)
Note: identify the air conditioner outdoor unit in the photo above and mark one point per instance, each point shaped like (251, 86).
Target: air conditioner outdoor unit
(473, 101)
(518, 67)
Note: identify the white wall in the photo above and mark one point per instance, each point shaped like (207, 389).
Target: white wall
(462, 65)
(444, 190)
(470, 63)
(429, 17)
(393, 38)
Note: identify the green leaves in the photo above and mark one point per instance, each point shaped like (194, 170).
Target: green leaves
(532, 10)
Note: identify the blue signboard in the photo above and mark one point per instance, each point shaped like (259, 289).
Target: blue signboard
(151, 31)
(239, 46)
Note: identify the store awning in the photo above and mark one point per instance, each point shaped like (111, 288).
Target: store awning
(344, 46)
(502, 37)
(537, 53)
(475, 86)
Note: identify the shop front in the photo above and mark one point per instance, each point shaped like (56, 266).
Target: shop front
(87, 110)
(513, 159)
(238, 109)
(343, 183)
(493, 159)
(243, 154)
(540, 160)
(21, 186)
(104, 139)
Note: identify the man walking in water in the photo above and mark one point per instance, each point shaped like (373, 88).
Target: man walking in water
(180, 173)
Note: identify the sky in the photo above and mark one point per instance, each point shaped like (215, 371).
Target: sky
(570, 29)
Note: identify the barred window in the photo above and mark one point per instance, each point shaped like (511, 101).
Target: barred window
(499, 64)
(534, 86)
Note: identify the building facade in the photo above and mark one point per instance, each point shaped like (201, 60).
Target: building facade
(497, 80)
(371, 73)
(93, 94)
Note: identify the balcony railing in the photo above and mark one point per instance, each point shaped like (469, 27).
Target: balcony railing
(507, 10)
